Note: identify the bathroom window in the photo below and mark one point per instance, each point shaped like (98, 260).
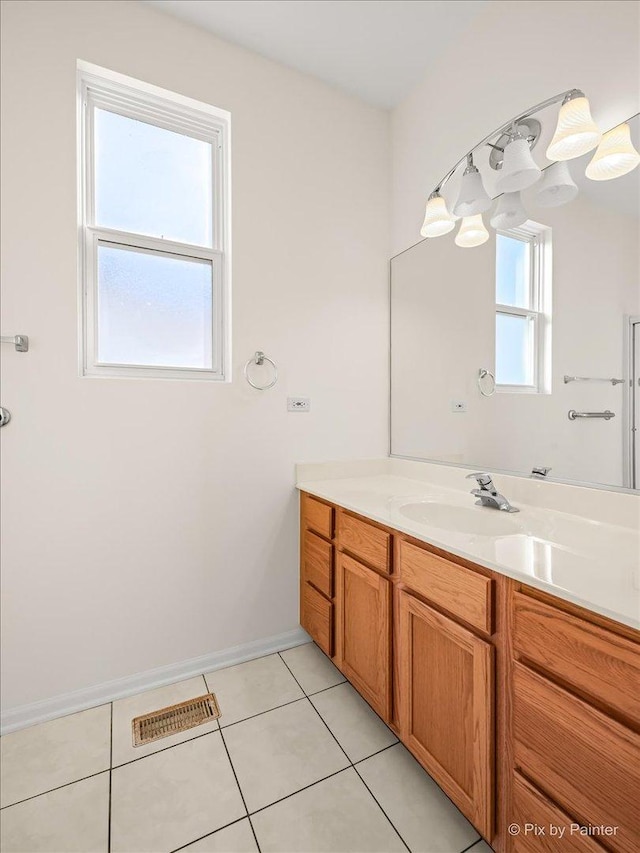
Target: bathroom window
(155, 232)
(523, 309)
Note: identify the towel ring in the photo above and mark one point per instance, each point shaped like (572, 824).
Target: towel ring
(482, 374)
(259, 359)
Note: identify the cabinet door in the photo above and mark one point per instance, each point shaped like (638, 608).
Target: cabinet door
(365, 607)
(446, 678)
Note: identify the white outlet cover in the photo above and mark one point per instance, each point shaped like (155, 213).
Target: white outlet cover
(298, 404)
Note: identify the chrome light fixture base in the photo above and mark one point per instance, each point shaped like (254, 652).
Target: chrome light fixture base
(529, 128)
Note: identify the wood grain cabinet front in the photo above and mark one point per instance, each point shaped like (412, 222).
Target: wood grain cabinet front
(464, 593)
(365, 541)
(542, 827)
(586, 762)
(446, 705)
(317, 563)
(365, 607)
(319, 516)
(316, 617)
(603, 666)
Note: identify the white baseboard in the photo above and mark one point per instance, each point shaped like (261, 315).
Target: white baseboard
(59, 706)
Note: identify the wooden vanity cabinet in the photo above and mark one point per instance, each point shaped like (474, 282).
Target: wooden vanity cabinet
(524, 708)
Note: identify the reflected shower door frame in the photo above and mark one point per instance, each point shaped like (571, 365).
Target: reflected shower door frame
(632, 403)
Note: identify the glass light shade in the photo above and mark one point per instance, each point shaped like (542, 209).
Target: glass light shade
(472, 198)
(471, 232)
(509, 212)
(437, 219)
(576, 132)
(519, 169)
(615, 155)
(557, 186)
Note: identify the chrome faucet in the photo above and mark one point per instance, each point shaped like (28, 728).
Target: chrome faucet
(487, 493)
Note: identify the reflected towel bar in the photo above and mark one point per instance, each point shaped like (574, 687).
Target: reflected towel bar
(606, 415)
(592, 379)
(20, 342)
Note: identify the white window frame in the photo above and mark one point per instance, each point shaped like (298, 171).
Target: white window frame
(539, 313)
(100, 88)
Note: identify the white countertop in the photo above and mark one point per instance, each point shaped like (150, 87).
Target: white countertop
(592, 563)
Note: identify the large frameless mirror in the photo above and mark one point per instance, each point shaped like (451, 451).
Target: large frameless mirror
(523, 352)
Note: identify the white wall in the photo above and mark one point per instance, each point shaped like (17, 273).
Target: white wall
(515, 53)
(148, 522)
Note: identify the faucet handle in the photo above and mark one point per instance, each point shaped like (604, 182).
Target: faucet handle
(482, 477)
(540, 472)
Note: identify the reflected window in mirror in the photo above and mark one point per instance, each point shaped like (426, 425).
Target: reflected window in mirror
(523, 309)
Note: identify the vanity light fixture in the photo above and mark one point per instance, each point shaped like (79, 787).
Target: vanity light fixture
(471, 232)
(557, 187)
(615, 156)
(437, 219)
(576, 132)
(509, 212)
(511, 145)
(472, 198)
(519, 169)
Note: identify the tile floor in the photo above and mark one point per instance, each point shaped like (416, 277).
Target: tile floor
(298, 763)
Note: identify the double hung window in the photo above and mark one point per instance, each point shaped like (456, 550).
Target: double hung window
(154, 232)
(523, 319)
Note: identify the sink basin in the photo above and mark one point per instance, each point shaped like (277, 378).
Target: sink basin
(475, 520)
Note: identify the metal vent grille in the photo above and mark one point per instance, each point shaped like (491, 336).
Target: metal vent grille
(174, 719)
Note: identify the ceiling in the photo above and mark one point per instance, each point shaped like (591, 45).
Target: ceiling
(376, 50)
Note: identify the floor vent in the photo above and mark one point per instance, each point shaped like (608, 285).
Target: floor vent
(174, 719)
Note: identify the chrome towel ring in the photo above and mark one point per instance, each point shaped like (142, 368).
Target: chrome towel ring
(483, 374)
(259, 359)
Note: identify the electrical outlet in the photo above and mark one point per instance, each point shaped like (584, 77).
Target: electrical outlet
(458, 406)
(298, 404)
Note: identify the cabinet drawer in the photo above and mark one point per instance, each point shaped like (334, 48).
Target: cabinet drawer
(319, 517)
(318, 563)
(531, 807)
(316, 618)
(462, 592)
(585, 761)
(365, 541)
(596, 661)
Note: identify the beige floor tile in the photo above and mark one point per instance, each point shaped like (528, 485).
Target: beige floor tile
(423, 815)
(252, 687)
(237, 838)
(359, 730)
(334, 816)
(170, 798)
(73, 819)
(312, 668)
(124, 710)
(52, 754)
(481, 847)
(280, 752)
